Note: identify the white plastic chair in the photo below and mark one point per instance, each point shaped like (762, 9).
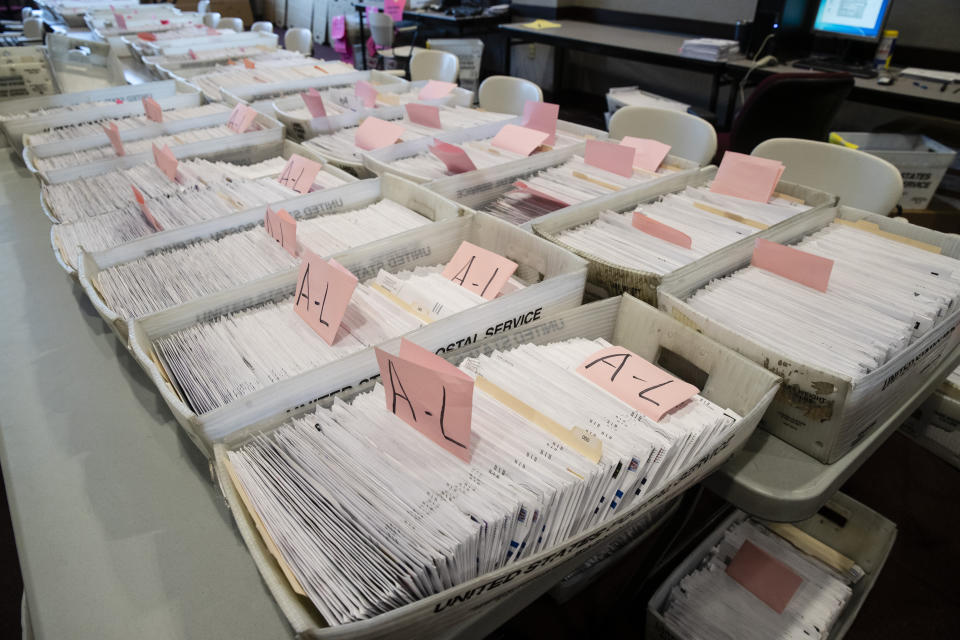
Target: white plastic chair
(859, 179)
(231, 23)
(33, 28)
(203, 6)
(298, 40)
(689, 137)
(211, 19)
(505, 94)
(427, 64)
(263, 26)
(381, 29)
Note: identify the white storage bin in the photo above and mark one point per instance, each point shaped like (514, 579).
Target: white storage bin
(856, 531)
(821, 413)
(935, 426)
(554, 277)
(140, 48)
(732, 382)
(165, 67)
(261, 96)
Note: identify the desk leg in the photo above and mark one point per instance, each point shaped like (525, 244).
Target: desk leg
(559, 61)
(715, 91)
(731, 104)
(506, 55)
(363, 41)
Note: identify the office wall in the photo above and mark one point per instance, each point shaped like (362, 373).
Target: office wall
(933, 24)
(727, 11)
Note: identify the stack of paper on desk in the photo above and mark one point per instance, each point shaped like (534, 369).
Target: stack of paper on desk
(713, 49)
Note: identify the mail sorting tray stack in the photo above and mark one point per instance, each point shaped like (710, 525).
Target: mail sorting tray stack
(214, 81)
(67, 258)
(312, 206)
(858, 534)
(183, 65)
(730, 381)
(429, 168)
(483, 189)
(607, 279)
(936, 424)
(820, 412)
(553, 281)
(30, 115)
(264, 131)
(260, 95)
(165, 45)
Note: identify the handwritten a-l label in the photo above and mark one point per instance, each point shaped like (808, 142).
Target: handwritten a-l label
(282, 227)
(323, 294)
(166, 161)
(429, 394)
(314, 102)
(145, 210)
(113, 133)
(479, 270)
(152, 109)
(642, 385)
(241, 118)
(805, 268)
(454, 157)
(299, 173)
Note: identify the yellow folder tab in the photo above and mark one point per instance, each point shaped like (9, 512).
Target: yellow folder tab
(542, 24)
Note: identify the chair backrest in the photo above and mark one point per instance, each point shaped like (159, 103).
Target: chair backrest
(859, 179)
(689, 137)
(434, 65)
(506, 94)
(264, 26)
(231, 23)
(211, 19)
(298, 39)
(33, 28)
(381, 29)
(203, 6)
(789, 105)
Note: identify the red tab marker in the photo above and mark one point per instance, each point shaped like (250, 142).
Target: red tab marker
(299, 173)
(526, 188)
(748, 177)
(282, 227)
(367, 93)
(648, 154)
(542, 116)
(146, 35)
(427, 115)
(479, 270)
(519, 139)
(454, 157)
(314, 102)
(610, 156)
(435, 89)
(145, 210)
(249, 64)
(164, 22)
(659, 230)
(645, 387)
(153, 110)
(322, 295)
(375, 133)
(241, 118)
(429, 394)
(773, 582)
(114, 135)
(806, 268)
(192, 55)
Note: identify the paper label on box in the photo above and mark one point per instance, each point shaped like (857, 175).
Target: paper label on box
(773, 582)
(748, 177)
(241, 118)
(299, 173)
(322, 295)
(282, 227)
(479, 270)
(375, 133)
(649, 154)
(806, 268)
(610, 156)
(657, 229)
(519, 139)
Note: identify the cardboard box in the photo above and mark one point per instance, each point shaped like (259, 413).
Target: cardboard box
(226, 8)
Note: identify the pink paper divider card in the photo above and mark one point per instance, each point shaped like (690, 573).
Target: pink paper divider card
(314, 102)
(435, 89)
(770, 580)
(805, 268)
(113, 134)
(366, 92)
(610, 156)
(526, 188)
(394, 9)
(519, 140)
(282, 227)
(541, 116)
(454, 157)
(427, 115)
(429, 394)
(748, 177)
(241, 118)
(375, 133)
(322, 295)
(145, 210)
(152, 109)
(659, 230)
(641, 384)
(166, 161)
(299, 173)
(648, 154)
(479, 270)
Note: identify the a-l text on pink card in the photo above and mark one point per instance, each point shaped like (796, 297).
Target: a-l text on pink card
(541, 116)
(648, 154)
(299, 173)
(479, 270)
(748, 177)
(518, 139)
(642, 385)
(322, 295)
(429, 394)
(241, 118)
(367, 93)
(806, 268)
(454, 157)
(657, 229)
(113, 134)
(773, 582)
(375, 133)
(526, 188)
(152, 109)
(609, 156)
(145, 209)
(427, 115)
(435, 89)
(282, 227)
(314, 102)
(166, 161)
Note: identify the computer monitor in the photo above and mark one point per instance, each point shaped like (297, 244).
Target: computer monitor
(856, 19)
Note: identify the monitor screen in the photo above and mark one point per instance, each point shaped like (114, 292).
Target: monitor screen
(852, 18)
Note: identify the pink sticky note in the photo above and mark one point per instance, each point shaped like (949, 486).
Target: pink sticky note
(645, 387)
(764, 576)
(479, 270)
(427, 115)
(314, 102)
(394, 9)
(145, 210)
(241, 118)
(541, 116)
(526, 188)
(366, 92)
(648, 154)
(114, 135)
(659, 230)
(610, 156)
(281, 226)
(806, 268)
(166, 161)
(454, 157)
(322, 295)
(153, 109)
(146, 35)
(375, 133)
(120, 20)
(435, 89)
(299, 173)
(747, 177)
(519, 139)
(429, 394)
